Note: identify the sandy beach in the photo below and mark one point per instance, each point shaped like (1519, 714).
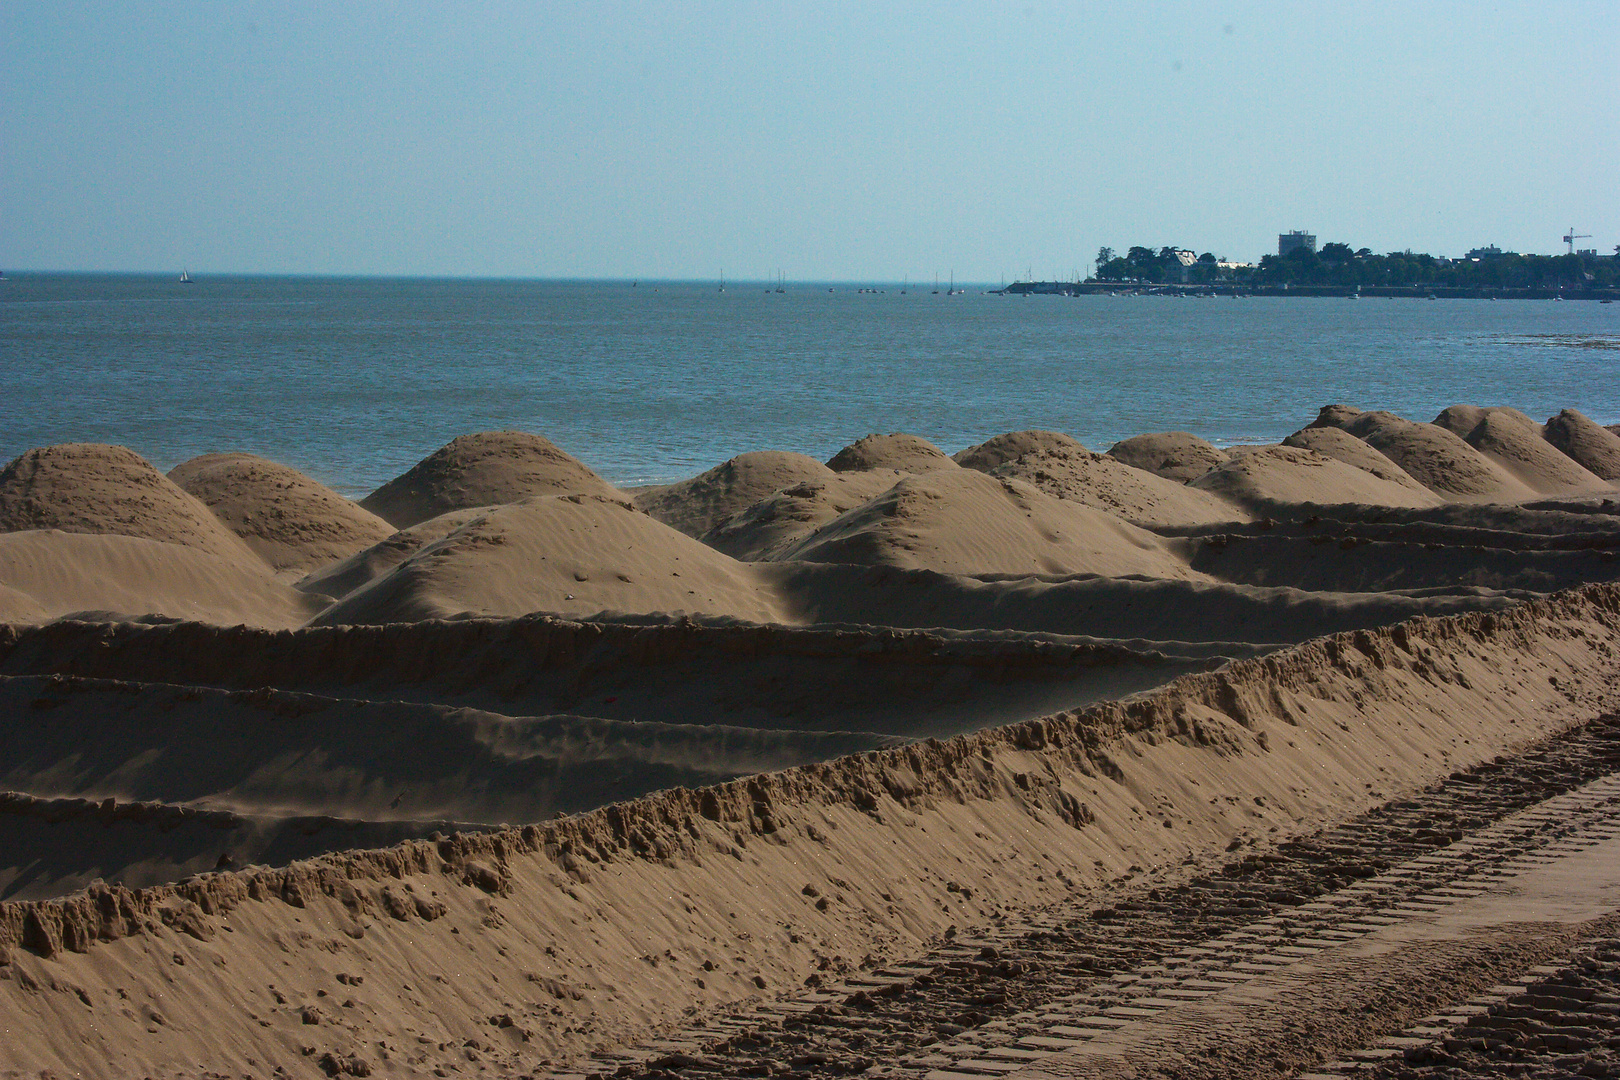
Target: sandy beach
(501, 768)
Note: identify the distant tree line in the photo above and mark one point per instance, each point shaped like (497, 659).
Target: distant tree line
(1338, 264)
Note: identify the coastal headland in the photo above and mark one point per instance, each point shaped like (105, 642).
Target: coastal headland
(504, 770)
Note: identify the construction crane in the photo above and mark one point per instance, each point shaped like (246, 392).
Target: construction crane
(1572, 236)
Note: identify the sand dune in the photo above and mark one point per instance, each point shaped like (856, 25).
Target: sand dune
(1433, 456)
(963, 521)
(1015, 444)
(1293, 475)
(900, 844)
(573, 554)
(291, 521)
(95, 489)
(1595, 447)
(772, 527)
(1516, 442)
(1174, 455)
(1108, 484)
(697, 505)
(1340, 444)
(271, 775)
(363, 567)
(490, 468)
(903, 453)
(125, 576)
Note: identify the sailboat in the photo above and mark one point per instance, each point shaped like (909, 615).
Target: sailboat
(936, 284)
(722, 281)
(185, 277)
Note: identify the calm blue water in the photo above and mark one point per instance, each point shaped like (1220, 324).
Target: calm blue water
(354, 380)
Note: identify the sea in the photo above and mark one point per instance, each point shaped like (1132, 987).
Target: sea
(353, 380)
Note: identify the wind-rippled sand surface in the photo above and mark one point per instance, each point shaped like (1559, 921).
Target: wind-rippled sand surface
(502, 764)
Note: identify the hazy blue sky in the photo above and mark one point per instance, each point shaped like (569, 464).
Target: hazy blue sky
(837, 141)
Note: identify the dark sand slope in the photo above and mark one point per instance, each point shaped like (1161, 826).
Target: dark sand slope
(100, 490)
(962, 521)
(270, 776)
(902, 453)
(1174, 455)
(292, 522)
(572, 554)
(697, 505)
(487, 469)
(902, 682)
(750, 887)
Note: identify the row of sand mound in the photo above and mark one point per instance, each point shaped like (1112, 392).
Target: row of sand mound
(620, 920)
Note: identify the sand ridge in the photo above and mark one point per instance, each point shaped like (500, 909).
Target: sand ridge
(1174, 455)
(489, 468)
(291, 521)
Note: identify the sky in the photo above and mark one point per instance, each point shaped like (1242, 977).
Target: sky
(827, 141)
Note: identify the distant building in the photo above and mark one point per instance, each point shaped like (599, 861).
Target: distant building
(1185, 261)
(1288, 241)
(1492, 252)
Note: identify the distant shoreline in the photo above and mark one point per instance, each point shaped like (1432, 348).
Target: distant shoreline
(1408, 292)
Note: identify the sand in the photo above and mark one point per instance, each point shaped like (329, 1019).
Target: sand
(696, 506)
(487, 469)
(572, 554)
(801, 720)
(963, 521)
(292, 522)
(1108, 484)
(902, 453)
(391, 957)
(1174, 455)
(1594, 447)
(1013, 445)
(1293, 475)
(109, 490)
